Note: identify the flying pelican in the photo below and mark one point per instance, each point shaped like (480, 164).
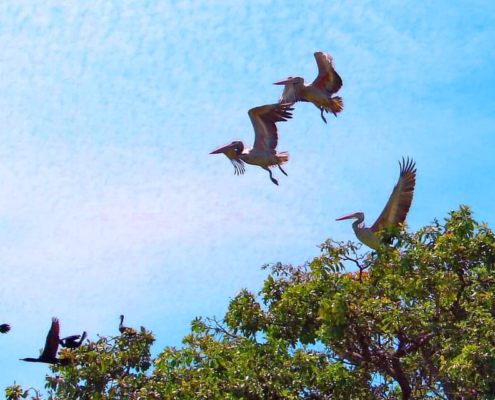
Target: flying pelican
(320, 91)
(71, 342)
(263, 152)
(49, 353)
(395, 211)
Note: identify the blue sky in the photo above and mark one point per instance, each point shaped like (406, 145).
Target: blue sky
(110, 201)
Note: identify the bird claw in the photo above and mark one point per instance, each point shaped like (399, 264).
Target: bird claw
(322, 116)
(280, 168)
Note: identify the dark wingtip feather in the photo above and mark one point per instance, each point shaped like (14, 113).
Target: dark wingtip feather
(282, 112)
(407, 165)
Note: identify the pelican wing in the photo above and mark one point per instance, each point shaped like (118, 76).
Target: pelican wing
(52, 340)
(400, 200)
(264, 121)
(327, 78)
(238, 166)
(73, 337)
(235, 160)
(231, 151)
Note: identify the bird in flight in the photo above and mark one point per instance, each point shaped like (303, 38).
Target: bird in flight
(395, 211)
(72, 342)
(320, 91)
(263, 153)
(4, 328)
(49, 353)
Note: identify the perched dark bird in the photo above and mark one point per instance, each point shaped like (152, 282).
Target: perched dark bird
(125, 329)
(264, 151)
(71, 342)
(320, 91)
(395, 211)
(4, 328)
(49, 353)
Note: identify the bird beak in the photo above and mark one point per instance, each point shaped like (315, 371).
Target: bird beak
(285, 81)
(348, 216)
(221, 149)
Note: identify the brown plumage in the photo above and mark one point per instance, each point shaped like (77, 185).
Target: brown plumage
(49, 354)
(320, 91)
(395, 211)
(263, 153)
(399, 203)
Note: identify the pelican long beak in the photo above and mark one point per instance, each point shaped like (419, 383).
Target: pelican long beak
(285, 81)
(348, 216)
(222, 149)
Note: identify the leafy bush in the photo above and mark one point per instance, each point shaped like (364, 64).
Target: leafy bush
(415, 320)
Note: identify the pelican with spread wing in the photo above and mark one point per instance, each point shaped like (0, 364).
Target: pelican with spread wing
(320, 91)
(73, 341)
(395, 211)
(49, 353)
(263, 153)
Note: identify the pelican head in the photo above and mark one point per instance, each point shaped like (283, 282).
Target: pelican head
(232, 151)
(235, 147)
(294, 80)
(359, 215)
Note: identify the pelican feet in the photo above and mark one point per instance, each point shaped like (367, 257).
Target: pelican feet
(285, 173)
(322, 117)
(271, 175)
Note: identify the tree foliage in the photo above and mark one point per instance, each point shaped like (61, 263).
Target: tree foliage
(411, 321)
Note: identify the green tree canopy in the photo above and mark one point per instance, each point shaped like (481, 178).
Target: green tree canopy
(412, 321)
